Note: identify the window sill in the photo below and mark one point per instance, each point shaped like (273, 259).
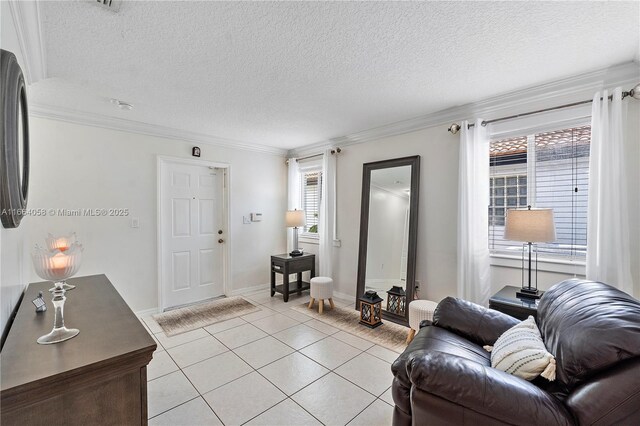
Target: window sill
(309, 238)
(561, 266)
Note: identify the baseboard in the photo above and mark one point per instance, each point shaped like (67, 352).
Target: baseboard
(249, 289)
(147, 312)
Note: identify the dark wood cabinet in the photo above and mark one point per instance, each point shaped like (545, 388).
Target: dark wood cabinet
(285, 265)
(98, 377)
(507, 302)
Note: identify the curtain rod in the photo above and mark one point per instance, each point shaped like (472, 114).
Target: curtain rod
(634, 93)
(333, 151)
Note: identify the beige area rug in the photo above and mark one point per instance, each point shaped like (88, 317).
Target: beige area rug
(189, 318)
(390, 335)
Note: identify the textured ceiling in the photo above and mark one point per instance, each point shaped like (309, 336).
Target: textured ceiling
(290, 74)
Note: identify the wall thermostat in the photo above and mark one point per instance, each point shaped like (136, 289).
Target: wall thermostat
(256, 217)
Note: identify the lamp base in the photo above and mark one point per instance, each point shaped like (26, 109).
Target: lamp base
(529, 293)
(66, 287)
(295, 253)
(58, 335)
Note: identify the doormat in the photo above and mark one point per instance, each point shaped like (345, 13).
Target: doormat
(189, 318)
(390, 335)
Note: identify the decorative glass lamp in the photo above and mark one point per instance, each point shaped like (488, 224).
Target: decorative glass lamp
(62, 243)
(530, 226)
(371, 309)
(57, 266)
(396, 300)
(295, 219)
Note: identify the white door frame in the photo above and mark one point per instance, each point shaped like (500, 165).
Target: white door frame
(162, 162)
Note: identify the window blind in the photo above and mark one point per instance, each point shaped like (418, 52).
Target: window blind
(311, 186)
(544, 170)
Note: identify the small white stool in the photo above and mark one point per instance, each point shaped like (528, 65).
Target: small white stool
(321, 289)
(419, 310)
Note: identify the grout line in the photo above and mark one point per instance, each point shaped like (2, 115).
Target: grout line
(200, 395)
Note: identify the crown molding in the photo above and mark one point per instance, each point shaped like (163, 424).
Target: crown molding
(26, 18)
(130, 126)
(575, 88)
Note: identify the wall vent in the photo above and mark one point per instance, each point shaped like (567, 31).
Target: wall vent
(112, 5)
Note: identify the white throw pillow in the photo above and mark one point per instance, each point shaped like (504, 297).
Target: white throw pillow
(520, 351)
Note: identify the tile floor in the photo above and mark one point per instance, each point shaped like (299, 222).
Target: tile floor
(271, 367)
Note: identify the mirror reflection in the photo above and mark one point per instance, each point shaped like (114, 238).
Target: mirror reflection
(388, 236)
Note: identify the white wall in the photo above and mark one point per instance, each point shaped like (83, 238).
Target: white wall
(437, 231)
(13, 251)
(76, 167)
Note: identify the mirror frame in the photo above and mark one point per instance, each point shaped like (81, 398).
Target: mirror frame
(14, 184)
(367, 168)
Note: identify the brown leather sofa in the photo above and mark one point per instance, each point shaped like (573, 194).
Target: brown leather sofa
(444, 377)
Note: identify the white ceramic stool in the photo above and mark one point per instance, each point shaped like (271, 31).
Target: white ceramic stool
(321, 289)
(419, 310)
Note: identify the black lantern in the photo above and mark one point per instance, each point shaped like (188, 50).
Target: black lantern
(396, 300)
(371, 309)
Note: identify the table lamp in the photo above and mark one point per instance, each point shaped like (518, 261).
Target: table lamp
(530, 226)
(295, 219)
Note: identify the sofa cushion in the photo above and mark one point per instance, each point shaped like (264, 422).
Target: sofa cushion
(521, 352)
(589, 326)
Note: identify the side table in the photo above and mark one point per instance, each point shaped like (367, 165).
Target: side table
(285, 265)
(507, 302)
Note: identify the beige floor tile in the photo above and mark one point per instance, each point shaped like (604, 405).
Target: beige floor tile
(383, 353)
(377, 414)
(262, 352)
(299, 336)
(193, 413)
(160, 365)
(285, 413)
(301, 318)
(217, 371)
(352, 340)
(333, 400)
(225, 325)
(388, 397)
(330, 352)
(167, 392)
(321, 326)
(238, 336)
(293, 372)
(275, 323)
(262, 313)
(358, 370)
(180, 339)
(196, 351)
(243, 399)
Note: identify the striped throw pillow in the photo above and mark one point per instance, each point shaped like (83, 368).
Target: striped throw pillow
(520, 351)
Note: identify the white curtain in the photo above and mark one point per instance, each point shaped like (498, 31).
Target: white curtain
(473, 216)
(327, 216)
(293, 191)
(608, 258)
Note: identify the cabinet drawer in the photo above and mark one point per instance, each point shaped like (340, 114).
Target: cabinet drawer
(301, 265)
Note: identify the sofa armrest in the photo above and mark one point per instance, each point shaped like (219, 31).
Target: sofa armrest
(480, 325)
(486, 390)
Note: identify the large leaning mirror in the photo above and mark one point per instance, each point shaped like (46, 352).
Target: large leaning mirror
(388, 234)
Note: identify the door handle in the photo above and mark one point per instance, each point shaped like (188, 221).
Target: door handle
(220, 241)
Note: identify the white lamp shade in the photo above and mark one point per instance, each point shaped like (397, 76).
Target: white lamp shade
(530, 226)
(295, 218)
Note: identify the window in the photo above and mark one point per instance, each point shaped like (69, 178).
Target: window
(311, 186)
(544, 170)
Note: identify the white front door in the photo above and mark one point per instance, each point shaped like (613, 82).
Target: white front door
(191, 203)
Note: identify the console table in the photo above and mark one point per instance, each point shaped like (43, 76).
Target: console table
(97, 377)
(285, 264)
(507, 302)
